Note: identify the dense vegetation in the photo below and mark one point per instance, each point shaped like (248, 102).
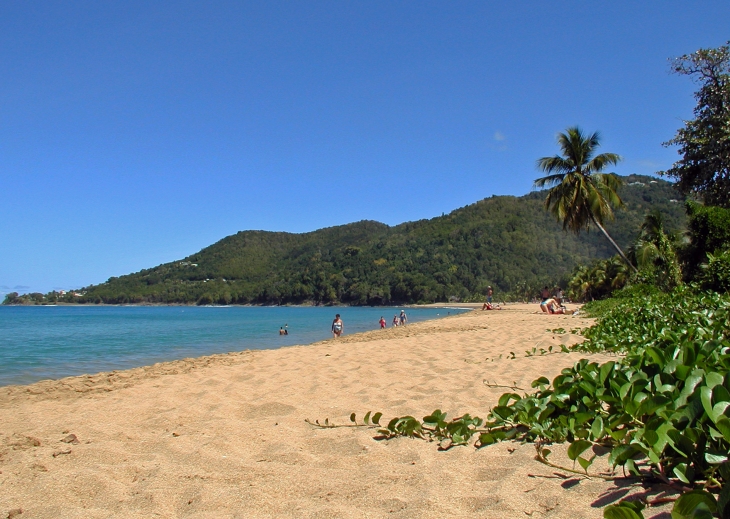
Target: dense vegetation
(699, 256)
(507, 242)
(662, 408)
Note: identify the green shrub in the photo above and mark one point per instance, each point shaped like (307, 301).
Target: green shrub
(617, 299)
(709, 231)
(716, 273)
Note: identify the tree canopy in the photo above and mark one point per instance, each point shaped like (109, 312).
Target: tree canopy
(704, 142)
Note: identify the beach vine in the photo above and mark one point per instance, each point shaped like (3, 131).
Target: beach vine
(662, 409)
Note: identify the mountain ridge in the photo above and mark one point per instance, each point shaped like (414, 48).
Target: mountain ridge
(505, 241)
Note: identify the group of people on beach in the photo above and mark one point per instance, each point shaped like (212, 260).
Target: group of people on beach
(398, 320)
(553, 303)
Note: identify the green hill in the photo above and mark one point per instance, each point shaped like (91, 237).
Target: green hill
(503, 241)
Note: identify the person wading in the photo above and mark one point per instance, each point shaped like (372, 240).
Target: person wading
(337, 326)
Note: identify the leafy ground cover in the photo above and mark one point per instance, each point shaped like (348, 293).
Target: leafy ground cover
(662, 408)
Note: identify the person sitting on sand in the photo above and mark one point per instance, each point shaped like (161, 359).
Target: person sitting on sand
(546, 305)
(490, 306)
(337, 326)
(551, 306)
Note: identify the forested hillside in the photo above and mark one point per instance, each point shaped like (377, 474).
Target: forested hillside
(503, 241)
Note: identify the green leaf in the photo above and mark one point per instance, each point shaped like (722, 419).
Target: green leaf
(585, 463)
(696, 504)
(713, 379)
(597, 428)
(719, 409)
(392, 424)
(715, 459)
(352, 418)
(723, 425)
(605, 371)
(487, 439)
(577, 448)
(367, 418)
(621, 512)
(505, 398)
(376, 418)
(542, 381)
(681, 472)
(706, 396)
(622, 453)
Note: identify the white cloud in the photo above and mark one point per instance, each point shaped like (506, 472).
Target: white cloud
(498, 136)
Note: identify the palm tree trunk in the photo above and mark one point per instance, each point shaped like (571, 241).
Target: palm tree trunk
(615, 246)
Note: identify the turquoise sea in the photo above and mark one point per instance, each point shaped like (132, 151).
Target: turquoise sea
(50, 342)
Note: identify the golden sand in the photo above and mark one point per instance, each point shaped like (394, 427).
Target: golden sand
(225, 436)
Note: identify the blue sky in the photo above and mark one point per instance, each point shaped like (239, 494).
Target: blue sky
(136, 133)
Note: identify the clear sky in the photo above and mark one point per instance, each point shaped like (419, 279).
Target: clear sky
(136, 133)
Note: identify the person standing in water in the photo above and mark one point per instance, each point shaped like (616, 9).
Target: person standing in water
(403, 318)
(395, 320)
(337, 326)
(382, 322)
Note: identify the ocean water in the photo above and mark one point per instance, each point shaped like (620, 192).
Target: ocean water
(51, 342)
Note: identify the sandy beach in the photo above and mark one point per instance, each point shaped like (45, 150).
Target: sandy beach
(225, 436)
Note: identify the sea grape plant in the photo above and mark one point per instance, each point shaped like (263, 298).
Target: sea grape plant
(662, 409)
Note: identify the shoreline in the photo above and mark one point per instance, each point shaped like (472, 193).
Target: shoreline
(161, 365)
(225, 435)
(192, 305)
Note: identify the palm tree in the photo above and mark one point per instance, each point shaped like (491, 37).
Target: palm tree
(580, 194)
(655, 251)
